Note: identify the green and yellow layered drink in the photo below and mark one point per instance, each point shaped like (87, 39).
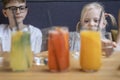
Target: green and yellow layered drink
(21, 54)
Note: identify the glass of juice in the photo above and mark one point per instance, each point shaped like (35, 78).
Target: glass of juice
(58, 49)
(21, 54)
(107, 44)
(90, 52)
(1, 52)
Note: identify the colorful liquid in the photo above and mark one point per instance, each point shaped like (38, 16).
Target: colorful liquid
(21, 54)
(58, 50)
(91, 51)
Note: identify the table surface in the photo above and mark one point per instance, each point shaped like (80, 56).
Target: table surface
(108, 71)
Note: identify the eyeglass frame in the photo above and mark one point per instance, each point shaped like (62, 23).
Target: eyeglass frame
(21, 8)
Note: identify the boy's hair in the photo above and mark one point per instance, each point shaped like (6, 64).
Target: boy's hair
(5, 2)
(99, 6)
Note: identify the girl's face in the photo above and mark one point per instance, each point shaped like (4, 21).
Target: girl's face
(90, 19)
(20, 10)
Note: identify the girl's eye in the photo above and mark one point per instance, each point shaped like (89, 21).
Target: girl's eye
(86, 21)
(96, 21)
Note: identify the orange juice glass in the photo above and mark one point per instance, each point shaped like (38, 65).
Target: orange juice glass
(58, 49)
(90, 58)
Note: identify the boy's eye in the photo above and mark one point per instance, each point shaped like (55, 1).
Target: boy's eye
(22, 7)
(12, 8)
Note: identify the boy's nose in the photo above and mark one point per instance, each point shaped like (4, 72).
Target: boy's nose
(17, 10)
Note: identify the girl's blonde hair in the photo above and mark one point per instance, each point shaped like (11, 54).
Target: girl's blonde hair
(95, 5)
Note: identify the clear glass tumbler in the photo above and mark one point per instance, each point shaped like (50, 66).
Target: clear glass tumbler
(58, 49)
(21, 56)
(90, 52)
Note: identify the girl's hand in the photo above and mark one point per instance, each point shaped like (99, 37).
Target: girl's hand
(107, 47)
(107, 42)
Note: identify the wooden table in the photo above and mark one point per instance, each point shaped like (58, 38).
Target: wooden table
(108, 71)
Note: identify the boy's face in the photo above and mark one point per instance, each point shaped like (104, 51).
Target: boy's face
(20, 10)
(91, 19)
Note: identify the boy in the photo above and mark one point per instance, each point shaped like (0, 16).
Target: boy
(16, 11)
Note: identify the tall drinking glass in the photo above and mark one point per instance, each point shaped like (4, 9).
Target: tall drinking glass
(58, 49)
(21, 54)
(107, 45)
(90, 52)
(1, 57)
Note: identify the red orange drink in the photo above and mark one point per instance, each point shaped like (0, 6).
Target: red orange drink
(90, 59)
(58, 49)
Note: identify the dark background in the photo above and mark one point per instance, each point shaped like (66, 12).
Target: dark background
(47, 13)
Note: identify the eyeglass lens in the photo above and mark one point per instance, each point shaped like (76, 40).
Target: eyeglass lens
(21, 8)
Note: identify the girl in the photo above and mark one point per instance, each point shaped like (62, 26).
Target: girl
(90, 17)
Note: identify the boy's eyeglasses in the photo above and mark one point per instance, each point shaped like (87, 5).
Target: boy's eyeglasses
(21, 8)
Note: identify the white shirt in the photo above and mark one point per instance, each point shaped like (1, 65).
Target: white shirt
(35, 38)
